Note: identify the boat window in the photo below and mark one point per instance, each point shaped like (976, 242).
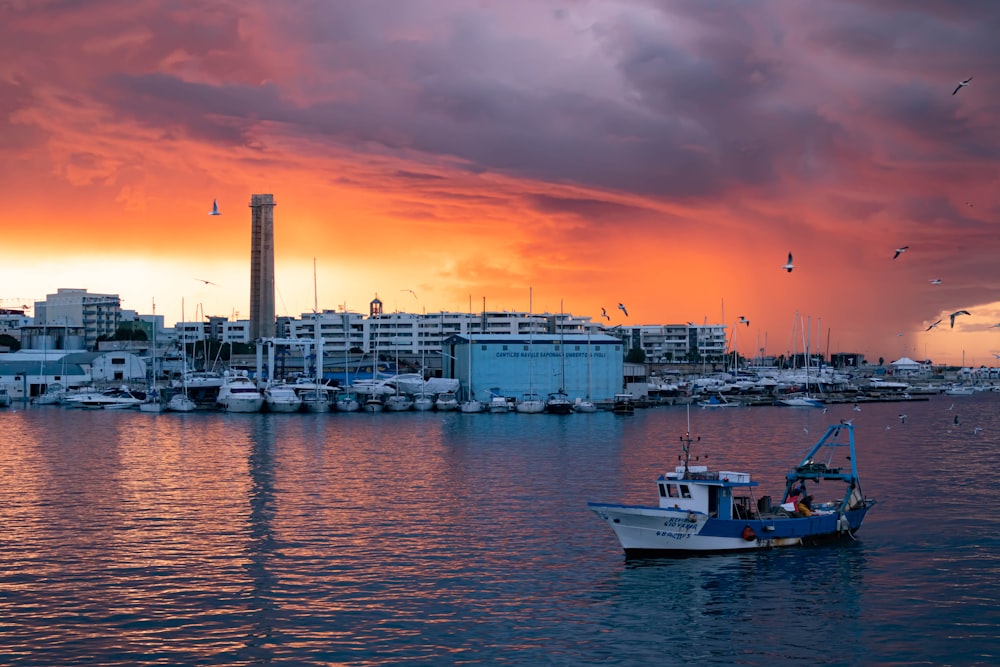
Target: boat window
(672, 490)
(557, 347)
(525, 348)
(663, 492)
(577, 348)
(504, 348)
(597, 347)
(685, 491)
(483, 348)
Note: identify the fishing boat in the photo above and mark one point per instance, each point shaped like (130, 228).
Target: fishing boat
(718, 401)
(704, 511)
(623, 404)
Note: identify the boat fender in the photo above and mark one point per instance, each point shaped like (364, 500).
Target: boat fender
(748, 534)
(843, 524)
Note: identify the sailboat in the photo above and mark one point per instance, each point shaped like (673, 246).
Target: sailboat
(181, 402)
(803, 400)
(530, 403)
(154, 400)
(347, 401)
(397, 402)
(585, 404)
(316, 398)
(470, 404)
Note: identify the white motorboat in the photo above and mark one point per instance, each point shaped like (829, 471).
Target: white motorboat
(111, 399)
(470, 406)
(584, 405)
(238, 393)
(282, 398)
(373, 404)
(446, 402)
(530, 404)
(498, 405)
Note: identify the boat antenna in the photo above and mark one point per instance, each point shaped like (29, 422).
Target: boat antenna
(686, 441)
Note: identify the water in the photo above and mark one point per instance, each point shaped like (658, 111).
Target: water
(450, 539)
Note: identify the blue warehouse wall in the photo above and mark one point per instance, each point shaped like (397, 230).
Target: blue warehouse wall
(515, 365)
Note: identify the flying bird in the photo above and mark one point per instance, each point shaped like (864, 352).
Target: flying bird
(604, 313)
(789, 266)
(956, 314)
(933, 325)
(621, 307)
(207, 282)
(961, 85)
(992, 326)
(900, 251)
(902, 419)
(744, 320)
(215, 208)
(410, 291)
(935, 281)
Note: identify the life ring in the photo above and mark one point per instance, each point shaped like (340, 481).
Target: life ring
(748, 534)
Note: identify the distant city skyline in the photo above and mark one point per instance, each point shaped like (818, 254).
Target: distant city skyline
(537, 154)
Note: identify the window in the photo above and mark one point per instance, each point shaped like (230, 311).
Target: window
(685, 491)
(663, 491)
(504, 348)
(483, 348)
(525, 348)
(118, 361)
(672, 490)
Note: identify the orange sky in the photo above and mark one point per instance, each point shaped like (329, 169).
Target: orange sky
(663, 155)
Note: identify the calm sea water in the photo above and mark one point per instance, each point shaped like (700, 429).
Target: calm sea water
(450, 539)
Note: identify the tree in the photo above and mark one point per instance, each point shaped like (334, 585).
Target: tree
(635, 356)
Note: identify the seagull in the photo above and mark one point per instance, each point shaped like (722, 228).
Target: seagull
(935, 281)
(207, 282)
(996, 355)
(951, 407)
(857, 408)
(621, 307)
(970, 204)
(933, 325)
(744, 320)
(604, 313)
(961, 85)
(902, 419)
(789, 266)
(900, 251)
(215, 208)
(992, 326)
(976, 430)
(410, 291)
(887, 427)
(956, 314)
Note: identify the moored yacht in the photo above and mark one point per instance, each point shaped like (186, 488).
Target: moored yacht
(238, 393)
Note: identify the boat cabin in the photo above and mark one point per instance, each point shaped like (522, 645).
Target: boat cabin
(696, 489)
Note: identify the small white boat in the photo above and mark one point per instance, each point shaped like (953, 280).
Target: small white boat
(153, 401)
(373, 404)
(960, 390)
(584, 405)
(530, 404)
(718, 401)
(398, 403)
(238, 393)
(347, 402)
(110, 399)
(181, 402)
(423, 403)
(54, 393)
(446, 402)
(498, 405)
(470, 406)
(800, 402)
(282, 398)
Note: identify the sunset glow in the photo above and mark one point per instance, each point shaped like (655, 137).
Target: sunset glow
(533, 153)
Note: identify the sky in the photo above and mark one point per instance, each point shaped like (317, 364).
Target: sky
(543, 155)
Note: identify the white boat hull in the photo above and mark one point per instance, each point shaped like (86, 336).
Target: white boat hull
(654, 530)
